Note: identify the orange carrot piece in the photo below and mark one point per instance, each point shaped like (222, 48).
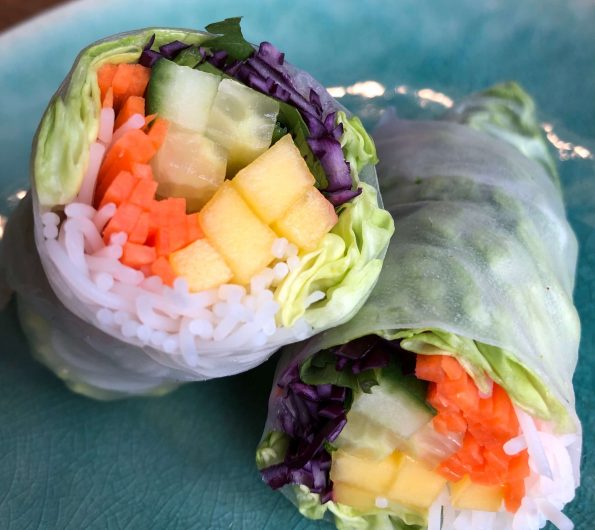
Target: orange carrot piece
(194, 230)
(429, 368)
(453, 469)
(133, 105)
(472, 450)
(133, 146)
(143, 193)
(142, 171)
(119, 190)
(452, 368)
(140, 232)
(462, 392)
(455, 421)
(124, 220)
(513, 495)
(129, 80)
(518, 468)
(105, 76)
(158, 132)
(148, 120)
(136, 256)
(162, 268)
(108, 100)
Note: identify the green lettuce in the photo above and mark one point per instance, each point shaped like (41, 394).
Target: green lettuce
(345, 266)
(395, 517)
(71, 121)
(358, 147)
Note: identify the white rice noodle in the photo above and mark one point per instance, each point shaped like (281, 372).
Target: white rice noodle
(190, 328)
(103, 215)
(136, 121)
(549, 487)
(533, 441)
(87, 189)
(106, 125)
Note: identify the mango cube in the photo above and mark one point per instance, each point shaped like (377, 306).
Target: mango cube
(275, 180)
(201, 265)
(467, 495)
(366, 474)
(233, 229)
(358, 498)
(307, 220)
(416, 484)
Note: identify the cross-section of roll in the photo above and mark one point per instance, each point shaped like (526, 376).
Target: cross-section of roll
(197, 202)
(447, 402)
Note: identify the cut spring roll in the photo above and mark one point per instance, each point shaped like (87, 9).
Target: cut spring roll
(447, 402)
(197, 202)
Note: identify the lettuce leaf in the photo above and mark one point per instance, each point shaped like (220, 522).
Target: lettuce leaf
(345, 266)
(396, 517)
(71, 121)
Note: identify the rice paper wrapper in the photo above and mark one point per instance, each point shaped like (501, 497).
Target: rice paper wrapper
(482, 266)
(61, 320)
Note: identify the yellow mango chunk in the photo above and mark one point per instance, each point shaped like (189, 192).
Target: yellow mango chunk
(353, 496)
(467, 495)
(375, 477)
(307, 220)
(416, 484)
(275, 180)
(201, 265)
(243, 240)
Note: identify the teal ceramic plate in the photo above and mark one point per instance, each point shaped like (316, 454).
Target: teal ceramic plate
(186, 460)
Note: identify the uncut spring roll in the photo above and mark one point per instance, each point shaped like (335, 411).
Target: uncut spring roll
(197, 203)
(447, 402)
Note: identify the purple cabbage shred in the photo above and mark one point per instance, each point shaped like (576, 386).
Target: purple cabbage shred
(314, 416)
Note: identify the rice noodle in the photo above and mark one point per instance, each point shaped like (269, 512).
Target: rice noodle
(87, 189)
(188, 327)
(136, 121)
(106, 125)
(533, 442)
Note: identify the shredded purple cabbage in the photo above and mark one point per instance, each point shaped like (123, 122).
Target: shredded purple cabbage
(170, 51)
(314, 415)
(311, 415)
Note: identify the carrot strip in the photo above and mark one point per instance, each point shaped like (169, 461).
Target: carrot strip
(429, 368)
(105, 76)
(136, 256)
(140, 232)
(158, 132)
(133, 105)
(108, 100)
(119, 190)
(193, 226)
(162, 268)
(124, 220)
(143, 193)
(129, 80)
(142, 171)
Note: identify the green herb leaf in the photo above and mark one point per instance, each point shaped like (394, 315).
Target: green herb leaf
(229, 37)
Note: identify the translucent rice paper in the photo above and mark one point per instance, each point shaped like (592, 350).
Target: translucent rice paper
(62, 329)
(482, 251)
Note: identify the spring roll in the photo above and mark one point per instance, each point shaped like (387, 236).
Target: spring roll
(447, 402)
(197, 202)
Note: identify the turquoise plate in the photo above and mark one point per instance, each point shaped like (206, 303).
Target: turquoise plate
(187, 460)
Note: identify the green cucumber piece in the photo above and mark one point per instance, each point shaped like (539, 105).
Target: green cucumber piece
(181, 94)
